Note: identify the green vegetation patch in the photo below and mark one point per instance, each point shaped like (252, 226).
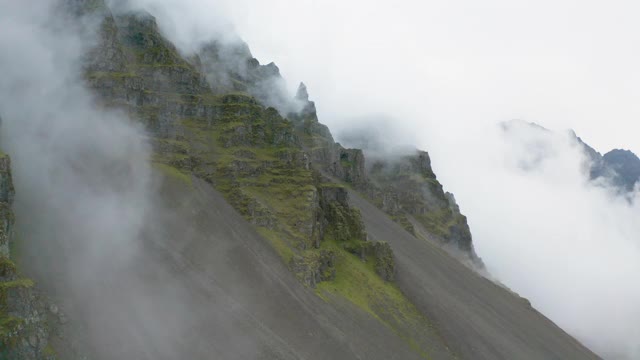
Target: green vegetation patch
(7, 267)
(19, 283)
(358, 282)
(8, 325)
(284, 249)
(438, 222)
(173, 173)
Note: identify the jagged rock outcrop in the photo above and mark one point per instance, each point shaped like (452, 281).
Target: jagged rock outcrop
(329, 157)
(229, 66)
(407, 189)
(315, 267)
(402, 186)
(341, 222)
(384, 262)
(108, 57)
(619, 167)
(24, 330)
(308, 107)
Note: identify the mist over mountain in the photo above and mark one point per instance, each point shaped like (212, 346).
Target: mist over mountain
(164, 194)
(617, 169)
(626, 167)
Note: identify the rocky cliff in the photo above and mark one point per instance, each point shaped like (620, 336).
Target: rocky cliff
(24, 315)
(246, 149)
(404, 186)
(407, 189)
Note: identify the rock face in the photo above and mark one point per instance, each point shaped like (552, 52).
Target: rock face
(308, 107)
(314, 268)
(383, 260)
(620, 168)
(6, 199)
(230, 67)
(407, 189)
(625, 166)
(403, 187)
(24, 333)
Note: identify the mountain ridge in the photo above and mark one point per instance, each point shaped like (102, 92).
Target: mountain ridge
(280, 239)
(618, 168)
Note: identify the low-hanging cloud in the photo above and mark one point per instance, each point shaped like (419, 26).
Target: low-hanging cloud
(76, 164)
(84, 190)
(448, 73)
(550, 234)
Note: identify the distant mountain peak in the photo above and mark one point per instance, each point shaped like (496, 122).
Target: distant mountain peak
(620, 167)
(626, 167)
(506, 125)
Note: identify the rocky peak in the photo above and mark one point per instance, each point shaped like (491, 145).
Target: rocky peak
(308, 108)
(421, 164)
(626, 166)
(620, 156)
(302, 94)
(620, 168)
(269, 70)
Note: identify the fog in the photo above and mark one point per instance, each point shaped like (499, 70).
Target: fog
(83, 191)
(444, 75)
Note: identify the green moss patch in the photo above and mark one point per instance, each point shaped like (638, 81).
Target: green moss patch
(358, 282)
(19, 283)
(174, 173)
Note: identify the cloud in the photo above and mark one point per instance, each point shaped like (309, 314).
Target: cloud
(84, 190)
(447, 73)
(68, 156)
(551, 235)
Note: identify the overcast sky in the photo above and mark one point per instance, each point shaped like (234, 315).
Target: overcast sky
(443, 74)
(564, 64)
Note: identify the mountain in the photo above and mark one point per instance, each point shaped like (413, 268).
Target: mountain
(625, 165)
(619, 169)
(266, 239)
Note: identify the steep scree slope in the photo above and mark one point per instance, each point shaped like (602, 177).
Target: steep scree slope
(477, 318)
